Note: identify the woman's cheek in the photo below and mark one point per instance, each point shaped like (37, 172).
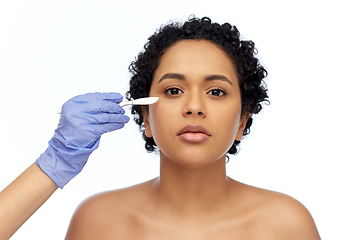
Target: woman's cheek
(161, 118)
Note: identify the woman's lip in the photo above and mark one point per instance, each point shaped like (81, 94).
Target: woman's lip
(193, 137)
(194, 129)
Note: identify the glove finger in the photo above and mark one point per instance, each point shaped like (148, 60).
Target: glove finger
(118, 118)
(87, 97)
(112, 97)
(104, 107)
(103, 118)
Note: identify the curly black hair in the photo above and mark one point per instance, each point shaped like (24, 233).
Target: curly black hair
(227, 37)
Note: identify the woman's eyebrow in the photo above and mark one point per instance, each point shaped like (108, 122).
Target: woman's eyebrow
(172, 76)
(207, 78)
(218, 77)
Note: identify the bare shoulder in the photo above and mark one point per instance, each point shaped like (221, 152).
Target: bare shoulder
(281, 216)
(108, 214)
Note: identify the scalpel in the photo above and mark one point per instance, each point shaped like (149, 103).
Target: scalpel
(140, 101)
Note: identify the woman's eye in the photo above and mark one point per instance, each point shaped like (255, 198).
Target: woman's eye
(217, 92)
(173, 91)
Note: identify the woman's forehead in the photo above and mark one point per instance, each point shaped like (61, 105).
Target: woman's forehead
(195, 57)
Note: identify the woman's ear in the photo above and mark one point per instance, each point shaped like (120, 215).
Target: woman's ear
(243, 122)
(145, 113)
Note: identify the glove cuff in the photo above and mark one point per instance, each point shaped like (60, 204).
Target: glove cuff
(56, 164)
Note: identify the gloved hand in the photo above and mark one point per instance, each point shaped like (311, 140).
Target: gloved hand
(83, 120)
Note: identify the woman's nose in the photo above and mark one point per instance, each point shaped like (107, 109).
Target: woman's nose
(194, 106)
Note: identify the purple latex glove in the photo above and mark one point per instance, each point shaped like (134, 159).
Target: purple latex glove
(82, 122)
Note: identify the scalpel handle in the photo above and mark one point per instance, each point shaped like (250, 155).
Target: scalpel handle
(126, 103)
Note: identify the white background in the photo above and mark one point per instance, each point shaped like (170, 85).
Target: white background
(304, 144)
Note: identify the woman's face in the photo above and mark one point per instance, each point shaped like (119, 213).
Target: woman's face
(198, 114)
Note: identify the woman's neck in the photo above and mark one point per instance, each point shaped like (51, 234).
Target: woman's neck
(186, 191)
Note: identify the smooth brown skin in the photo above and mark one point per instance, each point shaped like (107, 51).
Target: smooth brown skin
(140, 212)
(22, 198)
(193, 198)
